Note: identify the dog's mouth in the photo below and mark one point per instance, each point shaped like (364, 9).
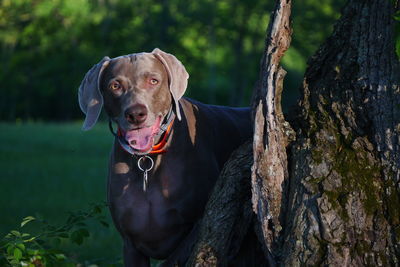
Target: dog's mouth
(142, 139)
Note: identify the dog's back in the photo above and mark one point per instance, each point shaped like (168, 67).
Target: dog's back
(227, 127)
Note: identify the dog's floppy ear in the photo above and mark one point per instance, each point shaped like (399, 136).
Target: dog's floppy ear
(177, 75)
(90, 97)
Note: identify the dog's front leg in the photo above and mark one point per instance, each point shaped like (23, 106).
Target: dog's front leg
(133, 257)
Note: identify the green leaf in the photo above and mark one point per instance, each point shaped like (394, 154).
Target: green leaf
(10, 249)
(17, 254)
(14, 262)
(76, 237)
(60, 256)
(27, 220)
(32, 252)
(15, 233)
(30, 239)
(21, 246)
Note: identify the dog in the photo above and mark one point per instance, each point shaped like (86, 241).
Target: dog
(167, 154)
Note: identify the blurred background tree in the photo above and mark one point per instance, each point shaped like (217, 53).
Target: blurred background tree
(48, 45)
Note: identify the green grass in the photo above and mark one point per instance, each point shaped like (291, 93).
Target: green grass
(50, 169)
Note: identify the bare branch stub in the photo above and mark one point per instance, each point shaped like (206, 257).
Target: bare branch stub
(271, 131)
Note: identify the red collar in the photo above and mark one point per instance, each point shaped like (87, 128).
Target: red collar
(159, 148)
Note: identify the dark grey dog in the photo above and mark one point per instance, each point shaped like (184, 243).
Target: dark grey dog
(167, 154)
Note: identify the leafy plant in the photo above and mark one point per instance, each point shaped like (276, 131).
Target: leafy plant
(41, 247)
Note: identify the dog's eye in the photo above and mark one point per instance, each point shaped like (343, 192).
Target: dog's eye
(115, 86)
(153, 81)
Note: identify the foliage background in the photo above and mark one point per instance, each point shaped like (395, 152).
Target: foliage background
(47, 46)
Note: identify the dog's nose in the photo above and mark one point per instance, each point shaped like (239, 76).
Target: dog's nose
(136, 114)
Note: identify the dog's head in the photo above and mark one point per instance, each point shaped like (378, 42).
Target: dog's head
(137, 91)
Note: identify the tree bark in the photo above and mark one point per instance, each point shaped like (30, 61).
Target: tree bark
(271, 131)
(332, 197)
(228, 213)
(344, 187)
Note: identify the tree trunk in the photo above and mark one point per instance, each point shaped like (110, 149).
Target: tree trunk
(228, 213)
(332, 196)
(271, 132)
(344, 168)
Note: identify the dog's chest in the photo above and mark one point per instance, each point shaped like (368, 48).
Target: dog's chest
(175, 196)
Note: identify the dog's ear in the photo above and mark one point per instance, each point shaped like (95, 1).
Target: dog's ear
(177, 75)
(89, 95)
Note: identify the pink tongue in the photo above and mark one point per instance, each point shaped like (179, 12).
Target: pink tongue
(142, 139)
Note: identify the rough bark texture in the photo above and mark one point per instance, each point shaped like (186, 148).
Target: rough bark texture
(344, 190)
(341, 204)
(228, 213)
(270, 134)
